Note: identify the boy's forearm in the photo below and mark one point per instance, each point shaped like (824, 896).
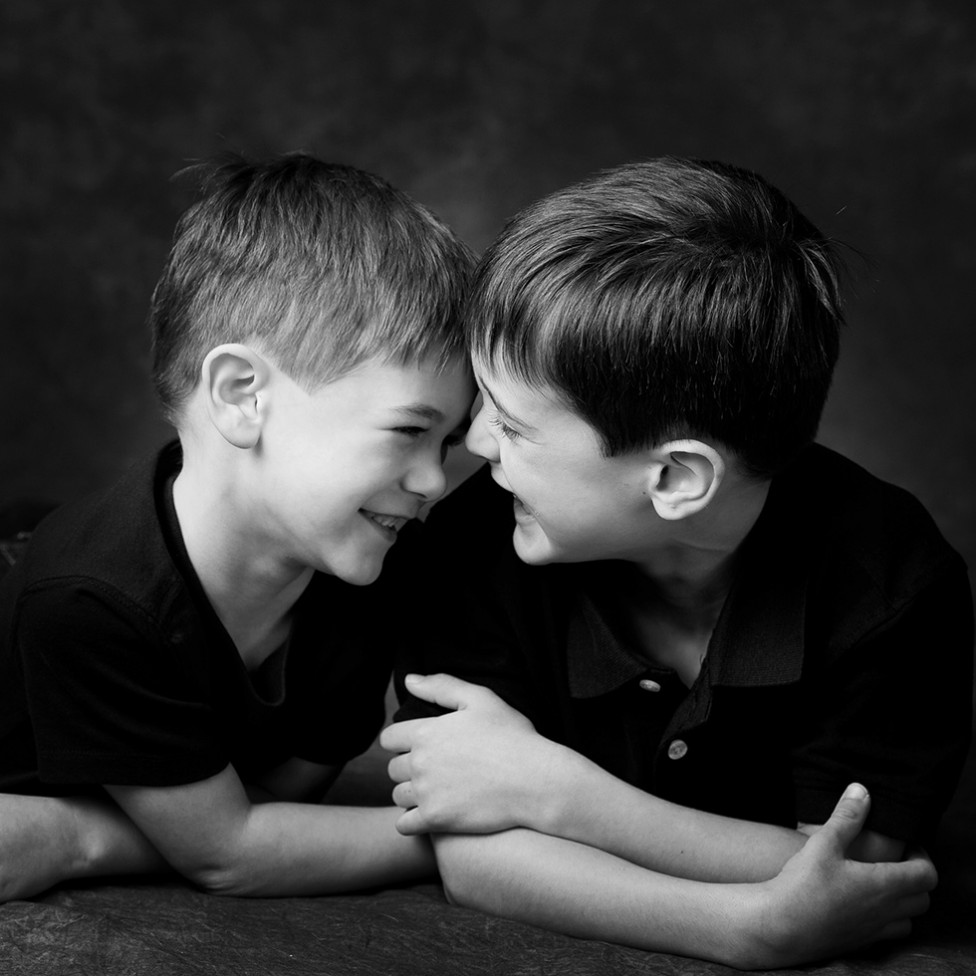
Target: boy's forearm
(308, 849)
(213, 835)
(586, 893)
(821, 904)
(584, 803)
(455, 774)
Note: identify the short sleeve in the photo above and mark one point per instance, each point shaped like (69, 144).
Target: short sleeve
(895, 713)
(108, 699)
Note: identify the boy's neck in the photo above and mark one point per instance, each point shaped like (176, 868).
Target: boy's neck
(693, 573)
(680, 589)
(251, 592)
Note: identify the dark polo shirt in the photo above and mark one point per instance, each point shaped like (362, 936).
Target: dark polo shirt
(843, 652)
(115, 669)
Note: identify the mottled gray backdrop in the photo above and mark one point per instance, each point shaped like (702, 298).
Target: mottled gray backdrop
(863, 112)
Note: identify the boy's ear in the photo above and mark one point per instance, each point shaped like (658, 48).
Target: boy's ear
(683, 477)
(234, 378)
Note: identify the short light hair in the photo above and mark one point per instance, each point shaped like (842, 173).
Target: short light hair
(666, 299)
(321, 266)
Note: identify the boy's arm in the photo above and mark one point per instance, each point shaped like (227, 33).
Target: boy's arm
(45, 840)
(483, 768)
(820, 904)
(213, 835)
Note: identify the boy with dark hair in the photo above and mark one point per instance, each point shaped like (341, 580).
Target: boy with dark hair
(709, 626)
(201, 642)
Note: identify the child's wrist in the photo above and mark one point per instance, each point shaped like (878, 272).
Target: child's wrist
(769, 940)
(751, 937)
(562, 796)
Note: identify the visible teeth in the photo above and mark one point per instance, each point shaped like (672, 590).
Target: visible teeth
(388, 521)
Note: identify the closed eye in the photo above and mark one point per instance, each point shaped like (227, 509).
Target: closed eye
(504, 429)
(411, 431)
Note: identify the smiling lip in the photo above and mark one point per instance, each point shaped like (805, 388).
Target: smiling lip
(522, 513)
(390, 525)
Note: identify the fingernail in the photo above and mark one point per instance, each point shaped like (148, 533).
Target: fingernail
(411, 679)
(855, 792)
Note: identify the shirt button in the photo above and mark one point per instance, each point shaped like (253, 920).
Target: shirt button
(677, 749)
(649, 685)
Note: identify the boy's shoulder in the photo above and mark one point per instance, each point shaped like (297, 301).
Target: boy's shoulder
(113, 538)
(850, 523)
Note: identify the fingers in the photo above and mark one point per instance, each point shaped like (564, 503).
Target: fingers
(399, 769)
(846, 821)
(403, 796)
(411, 823)
(920, 862)
(443, 689)
(412, 820)
(917, 905)
(912, 879)
(399, 737)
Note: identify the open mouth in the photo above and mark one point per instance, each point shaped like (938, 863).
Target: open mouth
(522, 512)
(390, 525)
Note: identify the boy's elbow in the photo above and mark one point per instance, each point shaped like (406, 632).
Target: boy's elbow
(209, 876)
(220, 880)
(219, 873)
(464, 868)
(459, 891)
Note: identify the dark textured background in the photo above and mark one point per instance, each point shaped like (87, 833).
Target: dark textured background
(863, 112)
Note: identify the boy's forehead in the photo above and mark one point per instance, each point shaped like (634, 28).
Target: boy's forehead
(425, 388)
(443, 390)
(533, 405)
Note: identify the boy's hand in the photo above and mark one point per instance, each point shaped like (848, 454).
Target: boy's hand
(822, 903)
(480, 769)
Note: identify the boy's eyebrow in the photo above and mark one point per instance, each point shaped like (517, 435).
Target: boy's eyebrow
(422, 411)
(509, 417)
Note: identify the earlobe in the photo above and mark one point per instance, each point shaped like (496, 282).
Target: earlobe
(683, 478)
(234, 377)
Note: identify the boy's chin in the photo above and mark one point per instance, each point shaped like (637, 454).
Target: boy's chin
(533, 548)
(359, 574)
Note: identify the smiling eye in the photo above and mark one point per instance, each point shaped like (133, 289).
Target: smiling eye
(509, 432)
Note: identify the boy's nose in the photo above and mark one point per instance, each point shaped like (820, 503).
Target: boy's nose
(427, 479)
(479, 439)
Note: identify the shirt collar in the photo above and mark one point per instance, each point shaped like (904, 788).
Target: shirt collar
(758, 640)
(597, 661)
